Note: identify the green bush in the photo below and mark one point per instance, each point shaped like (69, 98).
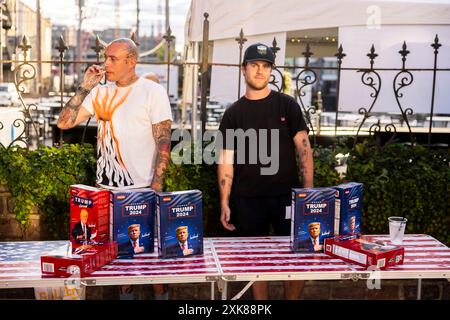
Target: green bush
(202, 177)
(324, 163)
(400, 180)
(41, 178)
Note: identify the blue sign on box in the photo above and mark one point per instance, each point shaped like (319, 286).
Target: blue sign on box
(132, 220)
(179, 223)
(349, 199)
(312, 218)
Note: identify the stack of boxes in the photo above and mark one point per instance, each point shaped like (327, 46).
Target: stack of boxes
(89, 235)
(107, 224)
(328, 220)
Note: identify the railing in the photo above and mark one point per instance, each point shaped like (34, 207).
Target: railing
(370, 77)
(29, 133)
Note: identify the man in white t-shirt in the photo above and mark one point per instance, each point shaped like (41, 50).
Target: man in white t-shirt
(134, 122)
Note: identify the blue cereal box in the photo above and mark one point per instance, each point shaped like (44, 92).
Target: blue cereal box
(312, 218)
(179, 223)
(132, 218)
(348, 209)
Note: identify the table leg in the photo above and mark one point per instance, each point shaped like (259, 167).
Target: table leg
(224, 290)
(239, 295)
(212, 291)
(419, 289)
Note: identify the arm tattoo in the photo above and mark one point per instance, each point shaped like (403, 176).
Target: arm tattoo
(70, 111)
(303, 158)
(161, 133)
(305, 143)
(223, 182)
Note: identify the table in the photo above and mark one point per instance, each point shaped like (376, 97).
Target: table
(20, 263)
(148, 268)
(225, 260)
(270, 258)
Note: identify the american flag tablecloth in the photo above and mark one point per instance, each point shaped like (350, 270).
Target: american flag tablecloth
(148, 268)
(20, 263)
(425, 257)
(270, 258)
(231, 259)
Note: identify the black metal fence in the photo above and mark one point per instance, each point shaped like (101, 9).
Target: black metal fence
(370, 77)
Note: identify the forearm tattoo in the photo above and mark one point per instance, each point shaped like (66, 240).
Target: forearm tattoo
(161, 133)
(69, 113)
(304, 157)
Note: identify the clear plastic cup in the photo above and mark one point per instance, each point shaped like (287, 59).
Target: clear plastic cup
(397, 227)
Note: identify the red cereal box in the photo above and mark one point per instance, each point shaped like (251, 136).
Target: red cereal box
(89, 215)
(85, 260)
(365, 252)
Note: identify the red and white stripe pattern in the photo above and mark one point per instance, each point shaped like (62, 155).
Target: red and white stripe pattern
(253, 258)
(167, 270)
(20, 262)
(265, 256)
(423, 254)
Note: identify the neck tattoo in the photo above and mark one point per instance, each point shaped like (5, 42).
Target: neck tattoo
(127, 81)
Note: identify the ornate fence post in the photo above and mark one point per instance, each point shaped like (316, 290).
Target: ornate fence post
(406, 80)
(272, 80)
(62, 49)
(99, 46)
(435, 46)
(204, 71)
(21, 74)
(309, 79)
(169, 38)
(368, 80)
(241, 40)
(340, 56)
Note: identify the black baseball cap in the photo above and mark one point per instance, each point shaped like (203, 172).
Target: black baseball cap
(259, 51)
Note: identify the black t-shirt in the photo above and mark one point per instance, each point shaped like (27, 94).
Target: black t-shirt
(255, 171)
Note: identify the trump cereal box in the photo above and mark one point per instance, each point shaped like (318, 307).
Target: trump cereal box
(85, 260)
(312, 218)
(366, 251)
(89, 215)
(132, 220)
(348, 209)
(179, 223)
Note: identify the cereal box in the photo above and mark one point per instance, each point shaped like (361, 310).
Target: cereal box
(179, 223)
(85, 260)
(366, 252)
(312, 218)
(132, 220)
(348, 211)
(89, 215)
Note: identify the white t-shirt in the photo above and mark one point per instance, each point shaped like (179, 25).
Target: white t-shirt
(125, 144)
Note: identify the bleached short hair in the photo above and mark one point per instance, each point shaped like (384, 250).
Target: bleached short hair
(131, 47)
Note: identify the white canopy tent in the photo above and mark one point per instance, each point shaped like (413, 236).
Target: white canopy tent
(268, 16)
(357, 24)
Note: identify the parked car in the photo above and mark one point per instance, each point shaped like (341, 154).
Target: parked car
(8, 95)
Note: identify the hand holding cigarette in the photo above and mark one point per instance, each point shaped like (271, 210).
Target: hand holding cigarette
(92, 77)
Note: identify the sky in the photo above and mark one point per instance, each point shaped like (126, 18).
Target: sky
(100, 14)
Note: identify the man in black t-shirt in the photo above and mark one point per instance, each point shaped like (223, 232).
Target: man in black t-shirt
(257, 169)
